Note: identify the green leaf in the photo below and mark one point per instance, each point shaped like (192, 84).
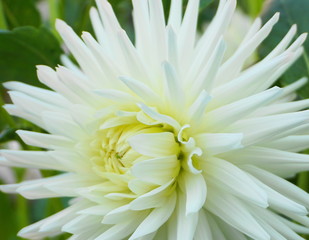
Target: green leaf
(24, 48)
(21, 13)
(291, 12)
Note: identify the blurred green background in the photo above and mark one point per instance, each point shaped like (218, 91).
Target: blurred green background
(28, 38)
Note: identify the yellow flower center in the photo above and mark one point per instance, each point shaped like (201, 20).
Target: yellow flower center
(111, 151)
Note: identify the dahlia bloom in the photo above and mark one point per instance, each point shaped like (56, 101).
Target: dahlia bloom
(163, 139)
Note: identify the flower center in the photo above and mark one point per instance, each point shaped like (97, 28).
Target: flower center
(132, 149)
(111, 151)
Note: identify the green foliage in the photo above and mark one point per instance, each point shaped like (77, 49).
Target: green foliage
(123, 9)
(251, 7)
(7, 134)
(21, 13)
(22, 49)
(7, 218)
(291, 12)
(76, 13)
(204, 4)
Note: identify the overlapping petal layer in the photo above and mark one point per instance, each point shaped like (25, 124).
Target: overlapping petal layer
(163, 138)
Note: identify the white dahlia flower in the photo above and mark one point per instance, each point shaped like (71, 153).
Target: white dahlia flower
(162, 139)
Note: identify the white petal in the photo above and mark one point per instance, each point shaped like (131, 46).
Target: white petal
(195, 190)
(19, 112)
(81, 224)
(274, 221)
(78, 86)
(197, 109)
(135, 65)
(295, 143)
(255, 27)
(37, 106)
(279, 162)
(270, 127)
(216, 231)
(182, 226)
(234, 65)
(280, 185)
(83, 55)
(222, 117)
(206, 76)
(140, 89)
(157, 27)
(107, 14)
(31, 189)
(53, 224)
(234, 180)
(142, 30)
(49, 77)
(203, 229)
(117, 96)
(121, 230)
(187, 32)
(248, 81)
(157, 170)
(188, 159)
(216, 143)
(140, 187)
(173, 86)
(235, 213)
(211, 37)
(230, 231)
(117, 121)
(34, 159)
(172, 55)
(97, 25)
(282, 108)
(38, 93)
(120, 214)
(293, 87)
(156, 218)
(108, 61)
(159, 117)
(71, 160)
(280, 201)
(283, 43)
(295, 227)
(175, 15)
(152, 199)
(62, 124)
(154, 144)
(43, 140)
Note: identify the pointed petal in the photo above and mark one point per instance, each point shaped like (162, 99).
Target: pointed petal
(234, 180)
(195, 190)
(156, 218)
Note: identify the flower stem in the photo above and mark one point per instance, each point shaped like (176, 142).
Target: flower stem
(22, 213)
(3, 24)
(303, 180)
(54, 13)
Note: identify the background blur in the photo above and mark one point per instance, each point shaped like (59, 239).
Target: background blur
(28, 38)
